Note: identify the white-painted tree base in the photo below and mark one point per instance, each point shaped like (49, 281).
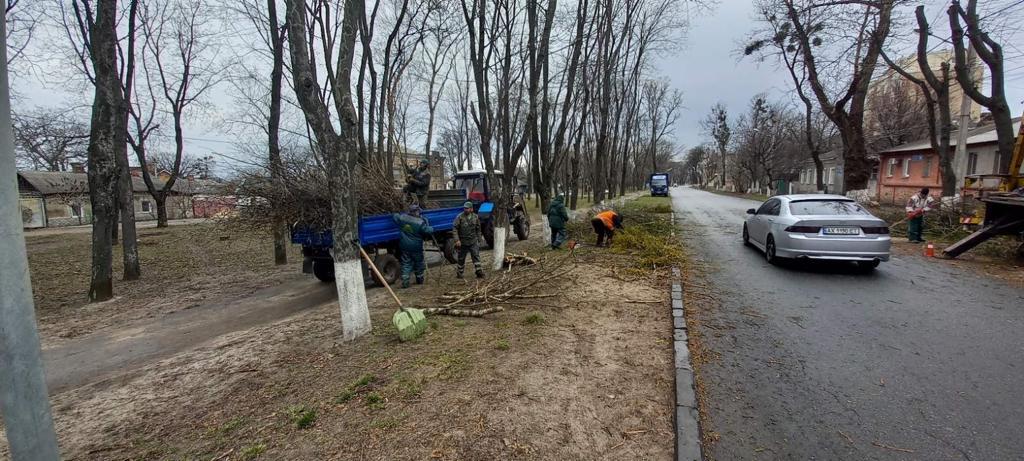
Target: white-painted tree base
(546, 230)
(500, 234)
(355, 314)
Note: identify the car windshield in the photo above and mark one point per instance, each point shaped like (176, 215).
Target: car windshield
(826, 207)
(659, 181)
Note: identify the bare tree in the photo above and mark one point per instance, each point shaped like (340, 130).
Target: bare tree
(99, 34)
(440, 38)
(49, 139)
(662, 110)
(716, 126)
(896, 112)
(22, 18)
(339, 148)
(179, 49)
(837, 45)
(936, 91)
(991, 53)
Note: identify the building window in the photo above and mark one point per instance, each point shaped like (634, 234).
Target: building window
(874, 173)
(972, 163)
(927, 167)
(76, 210)
(147, 207)
(906, 168)
(829, 175)
(892, 167)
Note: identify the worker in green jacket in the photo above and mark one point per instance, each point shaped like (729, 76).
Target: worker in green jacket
(418, 182)
(413, 229)
(558, 217)
(467, 239)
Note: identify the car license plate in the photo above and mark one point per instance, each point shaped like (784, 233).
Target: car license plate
(841, 231)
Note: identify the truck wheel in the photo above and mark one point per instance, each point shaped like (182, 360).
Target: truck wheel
(488, 231)
(448, 250)
(323, 269)
(522, 228)
(389, 267)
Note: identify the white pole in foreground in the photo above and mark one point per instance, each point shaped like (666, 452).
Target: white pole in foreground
(23, 400)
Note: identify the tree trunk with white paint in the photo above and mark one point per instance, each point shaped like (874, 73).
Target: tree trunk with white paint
(500, 235)
(340, 152)
(546, 228)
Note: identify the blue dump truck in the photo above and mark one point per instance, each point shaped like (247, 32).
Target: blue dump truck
(379, 235)
(659, 183)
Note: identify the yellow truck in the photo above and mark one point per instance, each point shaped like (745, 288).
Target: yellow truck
(1003, 196)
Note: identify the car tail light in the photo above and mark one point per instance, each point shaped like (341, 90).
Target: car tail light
(876, 230)
(803, 229)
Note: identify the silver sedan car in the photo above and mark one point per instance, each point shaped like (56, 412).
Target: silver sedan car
(830, 227)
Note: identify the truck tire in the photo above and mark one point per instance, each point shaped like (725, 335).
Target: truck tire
(522, 228)
(448, 250)
(323, 269)
(488, 231)
(389, 267)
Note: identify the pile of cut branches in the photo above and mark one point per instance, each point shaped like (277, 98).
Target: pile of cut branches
(301, 194)
(513, 287)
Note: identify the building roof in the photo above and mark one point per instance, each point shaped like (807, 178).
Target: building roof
(62, 182)
(984, 134)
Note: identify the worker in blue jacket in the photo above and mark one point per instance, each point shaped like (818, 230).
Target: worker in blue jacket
(413, 229)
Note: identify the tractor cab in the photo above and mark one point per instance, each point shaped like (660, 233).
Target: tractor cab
(474, 182)
(478, 190)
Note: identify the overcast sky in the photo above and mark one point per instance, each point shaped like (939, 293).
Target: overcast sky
(705, 67)
(708, 69)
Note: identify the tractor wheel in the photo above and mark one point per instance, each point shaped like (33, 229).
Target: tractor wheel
(323, 269)
(448, 250)
(389, 267)
(522, 228)
(488, 231)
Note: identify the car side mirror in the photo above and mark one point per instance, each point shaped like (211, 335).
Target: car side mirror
(751, 211)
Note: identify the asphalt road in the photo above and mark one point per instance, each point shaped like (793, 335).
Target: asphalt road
(916, 360)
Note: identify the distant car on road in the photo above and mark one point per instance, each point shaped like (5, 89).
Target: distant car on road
(828, 227)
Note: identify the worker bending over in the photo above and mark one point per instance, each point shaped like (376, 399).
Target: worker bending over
(605, 224)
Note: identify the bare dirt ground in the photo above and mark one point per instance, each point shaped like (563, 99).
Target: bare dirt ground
(183, 266)
(586, 374)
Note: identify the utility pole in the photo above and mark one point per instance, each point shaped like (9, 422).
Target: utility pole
(960, 154)
(23, 399)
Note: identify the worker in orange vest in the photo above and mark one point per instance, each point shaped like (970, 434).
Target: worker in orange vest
(605, 224)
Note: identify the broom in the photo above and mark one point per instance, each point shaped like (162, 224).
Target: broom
(410, 323)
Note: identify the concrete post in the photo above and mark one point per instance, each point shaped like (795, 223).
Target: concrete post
(23, 399)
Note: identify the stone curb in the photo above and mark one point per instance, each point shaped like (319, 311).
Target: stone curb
(687, 422)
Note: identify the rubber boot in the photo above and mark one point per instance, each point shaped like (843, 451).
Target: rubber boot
(479, 274)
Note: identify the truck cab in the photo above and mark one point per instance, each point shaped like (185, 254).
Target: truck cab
(659, 184)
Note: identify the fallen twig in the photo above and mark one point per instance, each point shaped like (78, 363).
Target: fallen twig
(848, 438)
(888, 447)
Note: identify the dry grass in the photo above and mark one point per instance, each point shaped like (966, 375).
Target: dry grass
(182, 264)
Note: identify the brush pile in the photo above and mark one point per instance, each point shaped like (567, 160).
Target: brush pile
(514, 287)
(302, 195)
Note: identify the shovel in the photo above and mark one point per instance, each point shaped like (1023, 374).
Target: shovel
(410, 323)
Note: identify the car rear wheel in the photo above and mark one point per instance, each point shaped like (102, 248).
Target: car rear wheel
(769, 251)
(746, 236)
